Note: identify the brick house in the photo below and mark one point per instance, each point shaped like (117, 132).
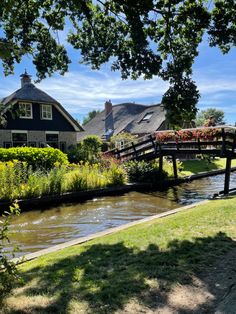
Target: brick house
(33, 118)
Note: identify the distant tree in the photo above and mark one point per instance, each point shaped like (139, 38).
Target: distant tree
(205, 115)
(90, 116)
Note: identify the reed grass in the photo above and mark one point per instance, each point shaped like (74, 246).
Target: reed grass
(19, 181)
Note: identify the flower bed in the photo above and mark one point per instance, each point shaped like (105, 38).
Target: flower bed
(207, 134)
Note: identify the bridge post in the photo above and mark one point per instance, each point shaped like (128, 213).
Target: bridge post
(135, 152)
(227, 175)
(199, 145)
(175, 170)
(223, 149)
(234, 143)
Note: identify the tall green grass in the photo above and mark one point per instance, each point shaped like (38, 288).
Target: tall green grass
(19, 181)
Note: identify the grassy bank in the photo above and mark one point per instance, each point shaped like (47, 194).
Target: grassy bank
(190, 167)
(134, 270)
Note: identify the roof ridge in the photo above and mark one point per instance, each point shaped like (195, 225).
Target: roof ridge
(128, 103)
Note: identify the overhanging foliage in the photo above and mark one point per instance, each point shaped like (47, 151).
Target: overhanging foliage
(139, 37)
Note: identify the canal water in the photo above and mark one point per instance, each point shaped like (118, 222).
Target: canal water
(38, 229)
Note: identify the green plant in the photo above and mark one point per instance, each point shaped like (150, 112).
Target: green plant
(142, 171)
(77, 182)
(54, 181)
(87, 150)
(8, 270)
(44, 158)
(20, 181)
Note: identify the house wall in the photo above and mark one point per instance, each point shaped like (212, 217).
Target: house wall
(39, 137)
(58, 122)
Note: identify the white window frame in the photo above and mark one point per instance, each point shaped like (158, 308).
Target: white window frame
(147, 116)
(45, 107)
(120, 144)
(23, 104)
(19, 132)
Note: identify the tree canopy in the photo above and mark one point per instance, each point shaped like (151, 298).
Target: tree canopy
(139, 37)
(205, 115)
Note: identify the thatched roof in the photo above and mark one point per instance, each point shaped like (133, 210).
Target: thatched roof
(127, 117)
(29, 92)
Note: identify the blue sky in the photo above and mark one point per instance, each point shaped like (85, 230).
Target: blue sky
(82, 89)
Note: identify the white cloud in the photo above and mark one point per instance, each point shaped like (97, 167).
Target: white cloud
(80, 92)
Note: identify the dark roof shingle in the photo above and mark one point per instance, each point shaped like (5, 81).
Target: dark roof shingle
(127, 117)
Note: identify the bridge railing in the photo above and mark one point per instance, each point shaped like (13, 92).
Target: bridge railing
(219, 138)
(202, 136)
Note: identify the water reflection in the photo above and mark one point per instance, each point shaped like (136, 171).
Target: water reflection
(35, 230)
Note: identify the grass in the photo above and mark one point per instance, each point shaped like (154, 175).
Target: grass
(20, 181)
(140, 265)
(191, 167)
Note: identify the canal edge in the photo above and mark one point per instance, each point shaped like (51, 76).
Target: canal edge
(80, 240)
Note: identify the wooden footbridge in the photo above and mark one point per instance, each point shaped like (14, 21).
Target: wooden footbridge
(216, 141)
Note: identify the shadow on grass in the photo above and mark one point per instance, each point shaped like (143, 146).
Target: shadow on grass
(105, 277)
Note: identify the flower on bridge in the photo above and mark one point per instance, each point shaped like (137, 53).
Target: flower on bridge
(205, 134)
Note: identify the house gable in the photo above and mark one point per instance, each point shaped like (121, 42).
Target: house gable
(30, 94)
(58, 121)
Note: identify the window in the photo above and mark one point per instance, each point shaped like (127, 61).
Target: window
(46, 112)
(7, 144)
(26, 111)
(19, 139)
(52, 139)
(120, 144)
(147, 116)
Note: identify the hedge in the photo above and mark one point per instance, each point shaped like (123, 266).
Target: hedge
(36, 157)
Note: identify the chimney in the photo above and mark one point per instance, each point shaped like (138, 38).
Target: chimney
(25, 79)
(108, 108)
(109, 122)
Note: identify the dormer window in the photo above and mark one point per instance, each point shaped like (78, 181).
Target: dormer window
(147, 116)
(26, 111)
(46, 112)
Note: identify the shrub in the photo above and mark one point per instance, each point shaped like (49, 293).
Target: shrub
(142, 171)
(36, 157)
(117, 175)
(87, 150)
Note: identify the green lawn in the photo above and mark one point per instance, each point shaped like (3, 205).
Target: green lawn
(195, 166)
(140, 265)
